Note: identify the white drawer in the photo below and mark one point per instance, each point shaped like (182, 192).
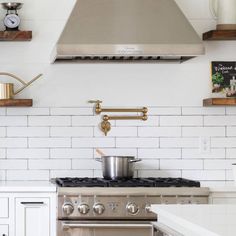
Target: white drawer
(4, 208)
(4, 230)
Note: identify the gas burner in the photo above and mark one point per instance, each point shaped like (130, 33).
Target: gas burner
(135, 182)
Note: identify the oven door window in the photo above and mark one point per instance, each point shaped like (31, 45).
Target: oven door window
(81, 228)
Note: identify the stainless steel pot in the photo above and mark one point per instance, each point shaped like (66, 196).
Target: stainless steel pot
(118, 167)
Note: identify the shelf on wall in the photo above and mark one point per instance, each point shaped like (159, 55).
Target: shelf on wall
(16, 102)
(15, 35)
(220, 35)
(219, 102)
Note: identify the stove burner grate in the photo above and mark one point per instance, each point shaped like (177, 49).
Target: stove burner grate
(135, 182)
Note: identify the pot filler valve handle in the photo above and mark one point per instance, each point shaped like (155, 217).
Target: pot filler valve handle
(105, 125)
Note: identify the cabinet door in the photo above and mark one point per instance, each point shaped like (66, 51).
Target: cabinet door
(221, 200)
(32, 217)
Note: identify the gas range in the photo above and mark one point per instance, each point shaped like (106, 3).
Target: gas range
(97, 198)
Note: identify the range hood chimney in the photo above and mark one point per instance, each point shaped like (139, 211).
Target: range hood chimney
(149, 30)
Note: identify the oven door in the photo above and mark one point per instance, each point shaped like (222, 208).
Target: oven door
(104, 228)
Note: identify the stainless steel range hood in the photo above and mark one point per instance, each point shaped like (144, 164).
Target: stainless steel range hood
(150, 30)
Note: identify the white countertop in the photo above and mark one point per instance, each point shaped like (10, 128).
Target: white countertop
(198, 220)
(27, 186)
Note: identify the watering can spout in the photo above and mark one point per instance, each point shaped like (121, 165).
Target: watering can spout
(25, 85)
(7, 89)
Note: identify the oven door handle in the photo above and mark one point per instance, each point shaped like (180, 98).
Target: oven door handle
(86, 225)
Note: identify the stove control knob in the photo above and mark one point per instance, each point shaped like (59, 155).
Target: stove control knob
(148, 208)
(132, 208)
(83, 209)
(98, 208)
(68, 208)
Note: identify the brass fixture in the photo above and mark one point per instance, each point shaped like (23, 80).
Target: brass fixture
(7, 89)
(106, 125)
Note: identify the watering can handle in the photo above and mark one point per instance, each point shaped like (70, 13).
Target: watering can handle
(213, 5)
(21, 81)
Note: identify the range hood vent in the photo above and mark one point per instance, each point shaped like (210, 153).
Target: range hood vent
(127, 30)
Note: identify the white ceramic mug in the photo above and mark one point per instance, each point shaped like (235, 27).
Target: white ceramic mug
(225, 13)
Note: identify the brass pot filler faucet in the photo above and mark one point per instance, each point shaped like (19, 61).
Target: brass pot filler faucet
(106, 125)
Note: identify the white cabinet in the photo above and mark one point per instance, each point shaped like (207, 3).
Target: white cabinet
(3, 230)
(222, 198)
(32, 216)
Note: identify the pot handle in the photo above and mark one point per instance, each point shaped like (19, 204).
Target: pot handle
(98, 159)
(135, 160)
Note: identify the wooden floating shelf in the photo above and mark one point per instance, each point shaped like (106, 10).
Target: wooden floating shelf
(219, 102)
(220, 35)
(16, 102)
(15, 35)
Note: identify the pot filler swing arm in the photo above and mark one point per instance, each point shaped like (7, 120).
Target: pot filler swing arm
(106, 125)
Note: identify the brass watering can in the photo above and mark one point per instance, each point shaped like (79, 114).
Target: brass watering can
(7, 89)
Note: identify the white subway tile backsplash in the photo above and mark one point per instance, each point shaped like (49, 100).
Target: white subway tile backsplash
(204, 174)
(13, 121)
(179, 142)
(219, 120)
(13, 164)
(64, 164)
(27, 153)
(71, 153)
(218, 164)
(49, 142)
(27, 175)
(71, 131)
(41, 143)
(181, 121)
(27, 132)
(190, 153)
(231, 132)
(231, 153)
(49, 121)
(159, 131)
(223, 142)
(93, 142)
(203, 131)
(117, 132)
(31, 111)
(181, 164)
(230, 110)
(203, 111)
(86, 120)
(159, 173)
(81, 164)
(71, 173)
(137, 142)
(2, 111)
(159, 153)
(164, 111)
(74, 111)
(147, 165)
(2, 132)
(13, 142)
(2, 153)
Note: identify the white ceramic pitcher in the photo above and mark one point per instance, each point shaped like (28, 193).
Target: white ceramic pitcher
(225, 13)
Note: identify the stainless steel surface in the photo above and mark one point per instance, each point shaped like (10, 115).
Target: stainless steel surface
(68, 208)
(124, 205)
(128, 30)
(12, 5)
(163, 230)
(117, 167)
(105, 228)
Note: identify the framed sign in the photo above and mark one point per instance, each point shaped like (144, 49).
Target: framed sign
(223, 77)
